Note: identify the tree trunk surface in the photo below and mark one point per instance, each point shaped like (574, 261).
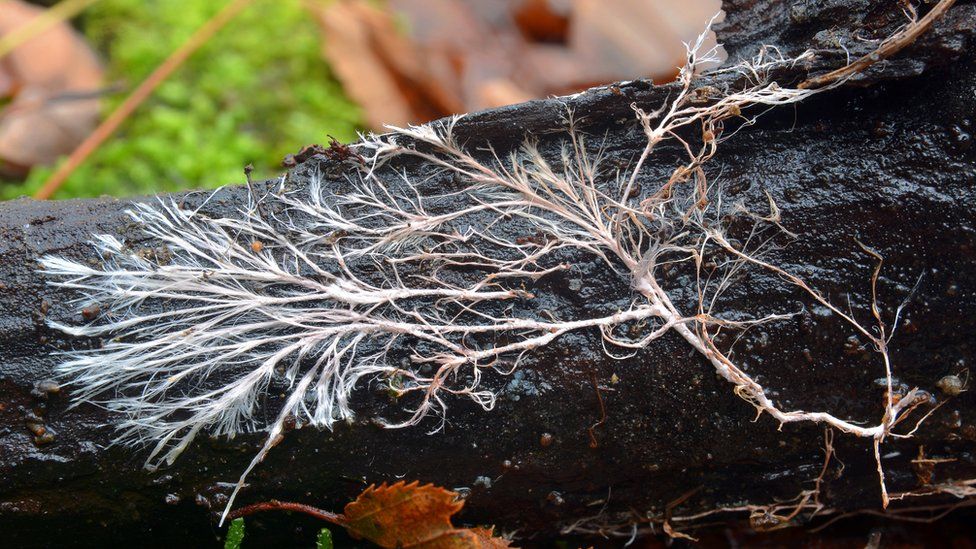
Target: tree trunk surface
(578, 438)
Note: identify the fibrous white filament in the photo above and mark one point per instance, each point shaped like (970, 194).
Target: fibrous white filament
(323, 289)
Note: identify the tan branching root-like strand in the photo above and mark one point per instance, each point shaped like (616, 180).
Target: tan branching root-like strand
(320, 293)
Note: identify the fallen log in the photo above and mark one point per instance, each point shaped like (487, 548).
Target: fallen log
(611, 428)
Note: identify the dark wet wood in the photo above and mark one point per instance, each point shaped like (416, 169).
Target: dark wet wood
(889, 161)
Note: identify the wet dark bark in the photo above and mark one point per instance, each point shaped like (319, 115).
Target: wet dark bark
(889, 161)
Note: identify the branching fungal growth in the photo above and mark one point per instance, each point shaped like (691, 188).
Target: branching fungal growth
(321, 288)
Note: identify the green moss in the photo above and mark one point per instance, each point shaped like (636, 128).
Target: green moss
(256, 91)
(324, 541)
(235, 534)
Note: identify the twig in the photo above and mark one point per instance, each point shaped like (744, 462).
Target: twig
(666, 524)
(145, 89)
(61, 12)
(42, 102)
(603, 413)
(248, 170)
(888, 47)
(275, 505)
(902, 514)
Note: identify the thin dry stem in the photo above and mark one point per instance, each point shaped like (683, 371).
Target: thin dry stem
(138, 96)
(890, 46)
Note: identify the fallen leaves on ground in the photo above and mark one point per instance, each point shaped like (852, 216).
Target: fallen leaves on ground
(410, 515)
(399, 515)
(53, 82)
(416, 60)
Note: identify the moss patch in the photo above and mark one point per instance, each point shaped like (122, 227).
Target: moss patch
(258, 90)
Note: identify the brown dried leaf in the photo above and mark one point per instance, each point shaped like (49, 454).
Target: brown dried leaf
(411, 515)
(455, 56)
(380, 68)
(467, 538)
(53, 80)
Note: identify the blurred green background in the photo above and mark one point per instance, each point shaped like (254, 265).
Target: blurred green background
(256, 91)
(262, 86)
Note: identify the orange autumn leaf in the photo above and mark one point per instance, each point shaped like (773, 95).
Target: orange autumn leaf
(411, 515)
(397, 516)
(466, 538)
